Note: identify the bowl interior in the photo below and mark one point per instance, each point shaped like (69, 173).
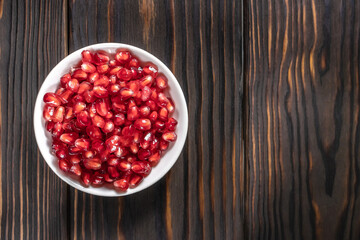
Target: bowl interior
(168, 158)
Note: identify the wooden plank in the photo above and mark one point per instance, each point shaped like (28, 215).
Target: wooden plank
(201, 42)
(302, 87)
(32, 41)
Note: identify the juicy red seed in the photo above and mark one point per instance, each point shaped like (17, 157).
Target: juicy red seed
(59, 114)
(107, 178)
(163, 114)
(171, 124)
(113, 172)
(89, 96)
(151, 104)
(113, 162)
(101, 58)
(61, 153)
(64, 79)
(48, 112)
(144, 154)
(93, 77)
(141, 167)
(79, 74)
(87, 56)
(133, 113)
(134, 148)
(85, 177)
(153, 116)
(83, 118)
(124, 74)
(122, 184)
(123, 56)
(114, 89)
(50, 126)
(114, 70)
(134, 62)
(64, 97)
(64, 165)
(102, 69)
(101, 107)
(78, 107)
(146, 81)
(163, 145)
(100, 91)
(143, 124)
(97, 179)
(120, 151)
(124, 166)
(154, 159)
(102, 81)
(69, 138)
(94, 132)
(76, 169)
(74, 159)
(161, 82)
(52, 100)
(126, 93)
(144, 111)
(145, 93)
(88, 67)
(69, 113)
(109, 126)
(82, 143)
(97, 145)
(92, 164)
(169, 136)
(57, 130)
(135, 180)
(98, 121)
(119, 119)
(88, 154)
(148, 69)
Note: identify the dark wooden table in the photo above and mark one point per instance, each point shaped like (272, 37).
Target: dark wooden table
(273, 148)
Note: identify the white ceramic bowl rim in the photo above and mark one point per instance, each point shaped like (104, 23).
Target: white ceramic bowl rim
(171, 155)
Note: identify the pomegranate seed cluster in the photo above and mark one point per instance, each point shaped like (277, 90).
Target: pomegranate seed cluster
(110, 119)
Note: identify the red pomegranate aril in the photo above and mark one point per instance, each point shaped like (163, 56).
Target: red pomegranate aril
(82, 143)
(84, 86)
(109, 115)
(74, 150)
(50, 126)
(159, 125)
(121, 184)
(102, 81)
(101, 107)
(163, 145)
(161, 82)
(88, 154)
(120, 151)
(134, 148)
(170, 106)
(59, 114)
(171, 124)
(85, 177)
(144, 154)
(162, 100)
(57, 130)
(97, 145)
(65, 96)
(145, 93)
(79, 74)
(92, 164)
(124, 74)
(154, 159)
(123, 57)
(133, 113)
(61, 153)
(128, 131)
(113, 162)
(93, 132)
(87, 56)
(141, 167)
(169, 136)
(115, 70)
(48, 112)
(93, 77)
(102, 69)
(146, 81)
(112, 142)
(76, 169)
(64, 79)
(151, 104)
(113, 172)
(144, 111)
(107, 178)
(114, 89)
(69, 138)
(118, 107)
(124, 166)
(163, 114)
(119, 119)
(88, 67)
(154, 145)
(98, 121)
(143, 124)
(135, 180)
(109, 126)
(52, 100)
(74, 159)
(89, 96)
(83, 118)
(153, 116)
(69, 113)
(100, 58)
(60, 91)
(78, 107)
(64, 165)
(134, 62)
(148, 69)
(97, 179)
(100, 92)
(126, 93)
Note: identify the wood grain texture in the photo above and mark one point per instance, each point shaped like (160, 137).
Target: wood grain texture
(302, 89)
(201, 42)
(32, 41)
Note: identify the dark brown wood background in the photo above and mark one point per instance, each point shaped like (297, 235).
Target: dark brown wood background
(273, 93)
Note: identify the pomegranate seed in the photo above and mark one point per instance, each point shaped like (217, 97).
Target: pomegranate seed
(144, 154)
(120, 151)
(126, 93)
(60, 91)
(89, 96)
(57, 130)
(79, 74)
(102, 81)
(50, 126)
(161, 82)
(52, 100)
(61, 153)
(74, 150)
(169, 136)
(93, 77)
(124, 166)
(113, 172)
(69, 138)
(153, 116)
(109, 115)
(134, 63)
(64, 79)
(113, 162)
(141, 167)
(144, 111)
(122, 184)
(97, 145)
(102, 69)
(159, 125)
(124, 74)
(82, 143)
(78, 107)
(151, 104)
(119, 119)
(88, 67)
(92, 164)
(74, 159)
(134, 148)
(107, 178)
(170, 106)
(76, 169)
(59, 114)
(135, 180)
(163, 114)
(85, 177)
(114, 70)
(163, 145)
(87, 56)
(109, 126)
(171, 124)
(102, 107)
(145, 93)
(148, 69)
(114, 89)
(98, 121)
(133, 113)
(94, 132)
(123, 57)
(100, 92)
(83, 119)
(88, 154)
(97, 179)
(64, 97)
(143, 124)
(48, 112)
(154, 159)
(146, 81)
(64, 165)
(69, 113)
(101, 58)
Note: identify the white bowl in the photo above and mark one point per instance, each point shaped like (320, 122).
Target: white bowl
(169, 157)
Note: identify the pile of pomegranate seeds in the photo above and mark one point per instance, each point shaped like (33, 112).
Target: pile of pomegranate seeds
(110, 119)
